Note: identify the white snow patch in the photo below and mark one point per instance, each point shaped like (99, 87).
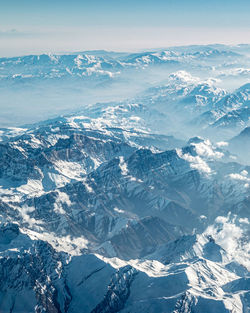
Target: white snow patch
(33, 187)
(244, 173)
(203, 217)
(119, 210)
(185, 77)
(68, 244)
(123, 166)
(72, 170)
(62, 198)
(32, 222)
(88, 188)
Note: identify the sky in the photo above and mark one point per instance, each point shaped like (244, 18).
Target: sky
(42, 26)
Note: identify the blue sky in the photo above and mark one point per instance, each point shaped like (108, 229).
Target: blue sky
(51, 25)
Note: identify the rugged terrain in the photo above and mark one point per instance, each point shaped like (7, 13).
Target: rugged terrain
(137, 205)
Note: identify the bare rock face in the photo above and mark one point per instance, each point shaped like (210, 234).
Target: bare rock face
(8, 232)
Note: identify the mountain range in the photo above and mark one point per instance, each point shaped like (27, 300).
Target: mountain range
(140, 204)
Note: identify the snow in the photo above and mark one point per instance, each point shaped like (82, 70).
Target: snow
(68, 244)
(58, 179)
(244, 173)
(32, 188)
(53, 138)
(184, 76)
(119, 210)
(123, 166)
(203, 217)
(70, 170)
(87, 186)
(32, 222)
(152, 268)
(62, 198)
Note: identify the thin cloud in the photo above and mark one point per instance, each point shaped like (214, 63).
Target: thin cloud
(10, 33)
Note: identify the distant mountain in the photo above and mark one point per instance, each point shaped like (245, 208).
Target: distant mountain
(229, 115)
(97, 63)
(240, 145)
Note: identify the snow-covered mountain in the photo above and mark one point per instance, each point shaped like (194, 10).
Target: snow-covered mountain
(104, 63)
(70, 81)
(240, 145)
(136, 205)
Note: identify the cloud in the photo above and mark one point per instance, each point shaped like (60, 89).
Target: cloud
(207, 150)
(241, 177)
(196, 162)
(221, 144)
(232, 237)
